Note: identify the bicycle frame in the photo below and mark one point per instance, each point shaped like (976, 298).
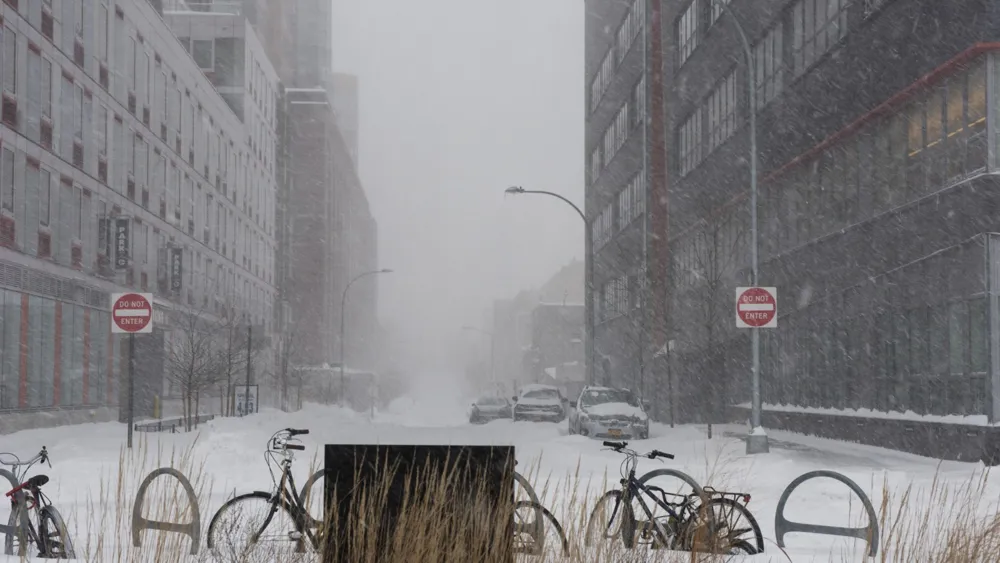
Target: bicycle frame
(286, 493)
(632, 488)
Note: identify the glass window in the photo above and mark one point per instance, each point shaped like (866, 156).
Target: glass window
(977, 94)
(34, 351)
(48, 354)
(11, 364)
(202, 53)
(768, 67)
(934, 127)
(98, 347)
(102, 32)
(9, 60)
(958, 336)
(817, 25)
(978, 329)
(7, 179)
(8, 378)
(76, 346)
(687, 31)
(45, 197)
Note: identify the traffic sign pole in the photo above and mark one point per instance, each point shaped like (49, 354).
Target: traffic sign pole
(131, 313)
(131, 387)
(756, 308)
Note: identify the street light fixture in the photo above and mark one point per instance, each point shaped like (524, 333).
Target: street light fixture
(588, 260)
(343, 316)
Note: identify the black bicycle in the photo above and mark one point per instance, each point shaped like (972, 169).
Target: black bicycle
(281, 510)
(48, 533)
(690, 523)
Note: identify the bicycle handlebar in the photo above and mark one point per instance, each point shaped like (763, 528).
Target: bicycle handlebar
(295, 447)
(295, 432)
(620, 446)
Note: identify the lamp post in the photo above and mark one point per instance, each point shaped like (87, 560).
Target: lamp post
(343, 316)
(493, 369)
(757, 440)
(588, 259)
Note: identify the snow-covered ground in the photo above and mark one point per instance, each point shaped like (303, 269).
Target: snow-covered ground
(85, 459)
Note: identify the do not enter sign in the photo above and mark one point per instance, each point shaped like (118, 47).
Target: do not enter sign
(756, 307)
(132, 313)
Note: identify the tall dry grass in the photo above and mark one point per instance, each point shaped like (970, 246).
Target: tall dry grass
(946, 521)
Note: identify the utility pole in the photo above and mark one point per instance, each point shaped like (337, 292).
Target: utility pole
(246, 398)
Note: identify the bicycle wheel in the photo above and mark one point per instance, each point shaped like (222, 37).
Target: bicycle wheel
(269, 530)
(602, 524)
(537, 533)
(736, 530)
(54, 536)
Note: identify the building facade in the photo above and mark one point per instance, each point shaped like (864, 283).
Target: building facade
(876, 138)
(626, 189)
(106, 116)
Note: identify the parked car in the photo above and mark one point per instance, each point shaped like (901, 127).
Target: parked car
(489, 407)
(605, 412)
(539, 403)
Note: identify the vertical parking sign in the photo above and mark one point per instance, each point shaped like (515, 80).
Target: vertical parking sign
(121, 242)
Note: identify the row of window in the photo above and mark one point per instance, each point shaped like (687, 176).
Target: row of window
(934, 140)
(931, 360)
(139, 164)
(632, 200)
(149, 91)
(58, 220)
(713, 250)
(629, 116)
(625, 36)
(602, 228)
(815, 27)
(70, 360)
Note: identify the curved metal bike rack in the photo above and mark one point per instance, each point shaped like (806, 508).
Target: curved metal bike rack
(869, 533)
(192, 529)
(11, 527)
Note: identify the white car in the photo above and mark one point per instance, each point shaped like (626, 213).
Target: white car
(603, 412)
(540, 403)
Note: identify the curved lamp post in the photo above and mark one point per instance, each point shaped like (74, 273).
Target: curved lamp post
(343, 316)
(588, 260)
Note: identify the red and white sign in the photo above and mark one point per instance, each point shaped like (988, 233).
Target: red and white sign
(756, 307)
(131, 313)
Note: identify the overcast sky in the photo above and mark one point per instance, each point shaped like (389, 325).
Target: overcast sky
(458, 100)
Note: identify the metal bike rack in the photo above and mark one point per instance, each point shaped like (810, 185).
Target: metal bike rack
(192, 529)
(869, 533)
(12, 526)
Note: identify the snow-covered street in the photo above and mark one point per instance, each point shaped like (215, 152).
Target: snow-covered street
(85, 457)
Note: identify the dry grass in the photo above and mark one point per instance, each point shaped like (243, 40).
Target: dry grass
(947, 522)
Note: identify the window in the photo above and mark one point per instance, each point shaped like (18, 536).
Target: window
(202, 53)
(7, 180)
(687, 31)
(690, 142)
(632, 200)
(9, 60)
(722, 111)
(34, 94)
(102, 130)
(630, 28)
(602, 80)
(768, 70)
(46, 88)
(130, 63)
(817, 25)
(102, 33)
(142, 77)
(44, 197)
(638, 103)
(616, 134)
(78, 111)
(718, 8)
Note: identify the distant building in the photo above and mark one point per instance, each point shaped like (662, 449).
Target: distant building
(556, 356)
(344, 89)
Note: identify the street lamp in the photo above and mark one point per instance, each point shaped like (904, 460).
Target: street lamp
(493, 370)
(757, 440)
(343, 316)
(588, 259)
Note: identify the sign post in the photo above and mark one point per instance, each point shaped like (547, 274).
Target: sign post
(756, 307)
(131, 313)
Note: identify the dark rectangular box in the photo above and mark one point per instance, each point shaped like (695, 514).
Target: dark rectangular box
(470, 489)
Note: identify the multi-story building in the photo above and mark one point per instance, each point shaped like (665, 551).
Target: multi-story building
(345, 105)
(624, 144)
(106, 116)
(877, 198)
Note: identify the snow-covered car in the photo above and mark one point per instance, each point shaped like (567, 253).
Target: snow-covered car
(604, 412)
(539, 403)
(489, 407)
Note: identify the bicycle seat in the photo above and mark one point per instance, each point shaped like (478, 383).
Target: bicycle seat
(10, 460)
(36, 481)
